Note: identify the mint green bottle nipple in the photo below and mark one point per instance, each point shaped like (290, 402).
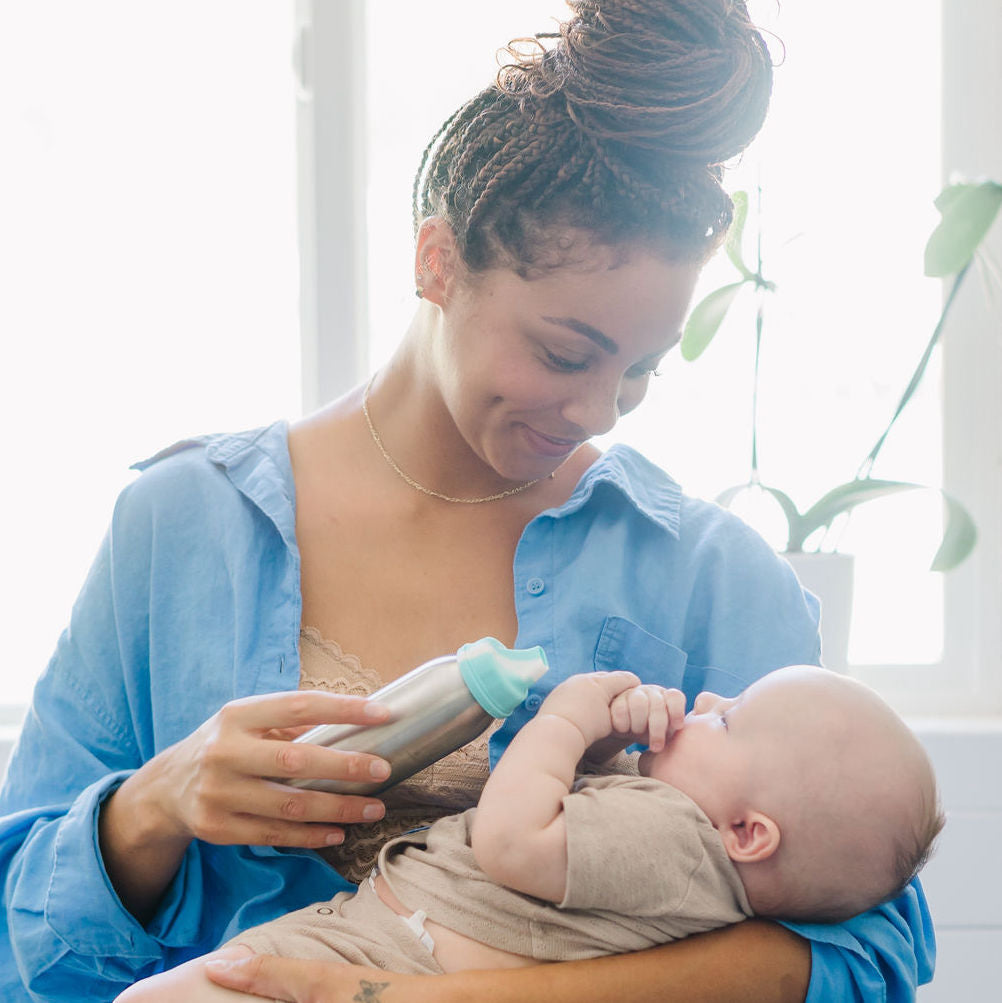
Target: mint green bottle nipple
(498, 677)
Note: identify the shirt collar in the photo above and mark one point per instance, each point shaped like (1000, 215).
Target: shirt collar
(645, 486)
(257, 464)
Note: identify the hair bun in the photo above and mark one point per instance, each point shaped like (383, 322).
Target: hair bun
(618, 125)
(688, 78)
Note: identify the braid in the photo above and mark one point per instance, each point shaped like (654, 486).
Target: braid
(619, 127)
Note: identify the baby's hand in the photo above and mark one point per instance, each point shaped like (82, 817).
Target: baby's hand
(648, 713)
(585, 701)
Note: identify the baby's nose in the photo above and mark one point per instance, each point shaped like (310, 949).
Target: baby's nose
(703, 702)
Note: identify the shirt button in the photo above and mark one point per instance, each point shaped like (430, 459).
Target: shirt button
(532, 701)
(534, 586)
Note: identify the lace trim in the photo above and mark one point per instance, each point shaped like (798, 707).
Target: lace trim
(332, 668)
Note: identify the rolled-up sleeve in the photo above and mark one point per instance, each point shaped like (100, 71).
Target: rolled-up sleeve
(66, 933)
(192, 601)
(70, 934)
(880, 956)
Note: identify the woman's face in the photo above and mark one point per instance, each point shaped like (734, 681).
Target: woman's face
(531, 368)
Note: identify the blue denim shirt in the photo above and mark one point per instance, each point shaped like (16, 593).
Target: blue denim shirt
(194, 600)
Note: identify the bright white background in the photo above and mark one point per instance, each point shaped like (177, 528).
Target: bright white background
(149, 284)
(148, 260)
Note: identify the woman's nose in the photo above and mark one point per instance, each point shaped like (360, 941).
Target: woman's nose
(596, 410)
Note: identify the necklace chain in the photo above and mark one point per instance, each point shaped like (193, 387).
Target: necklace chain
(420, 487)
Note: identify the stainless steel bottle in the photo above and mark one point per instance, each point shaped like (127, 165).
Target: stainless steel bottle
(434, 709)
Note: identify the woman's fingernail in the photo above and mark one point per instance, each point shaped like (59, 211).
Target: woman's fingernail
(373, 811)
(375, 710)
(235, 952)
(379, 769)
(229, 956)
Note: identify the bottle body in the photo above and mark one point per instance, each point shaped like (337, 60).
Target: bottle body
(432, 713)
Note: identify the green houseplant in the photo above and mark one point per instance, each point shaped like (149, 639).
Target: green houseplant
(967, 211)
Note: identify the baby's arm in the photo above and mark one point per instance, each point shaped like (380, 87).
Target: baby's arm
(519, 836)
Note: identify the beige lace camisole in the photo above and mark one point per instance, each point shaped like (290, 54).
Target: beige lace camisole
(451, 785)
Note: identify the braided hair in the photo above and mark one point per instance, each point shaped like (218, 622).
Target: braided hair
(618, 124)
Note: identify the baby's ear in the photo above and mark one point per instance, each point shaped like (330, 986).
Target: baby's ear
(752, 838)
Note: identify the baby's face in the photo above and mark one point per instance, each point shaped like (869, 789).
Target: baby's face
(722, 749)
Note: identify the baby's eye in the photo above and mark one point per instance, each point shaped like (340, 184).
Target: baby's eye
(723, 721)
(563, 365)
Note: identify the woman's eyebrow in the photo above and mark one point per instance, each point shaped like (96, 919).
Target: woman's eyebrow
(591, 333)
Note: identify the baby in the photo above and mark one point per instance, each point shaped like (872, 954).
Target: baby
(803, 798)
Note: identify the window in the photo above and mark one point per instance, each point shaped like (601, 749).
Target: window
(848, 166)
(148, 250)
(149, 243)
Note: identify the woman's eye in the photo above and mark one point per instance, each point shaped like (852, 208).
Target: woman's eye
(642, 371)
(558, 362)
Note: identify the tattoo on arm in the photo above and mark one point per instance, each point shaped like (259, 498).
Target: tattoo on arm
(369, 992)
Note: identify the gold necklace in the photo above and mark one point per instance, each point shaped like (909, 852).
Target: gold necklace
(420, 487)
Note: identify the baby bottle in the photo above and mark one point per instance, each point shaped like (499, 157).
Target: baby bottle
(434, 709)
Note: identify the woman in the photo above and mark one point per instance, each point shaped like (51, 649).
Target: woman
(562, 217)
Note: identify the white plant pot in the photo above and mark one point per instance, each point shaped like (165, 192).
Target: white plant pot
(830, 578)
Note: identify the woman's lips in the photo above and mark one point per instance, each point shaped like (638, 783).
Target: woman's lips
(548, 445)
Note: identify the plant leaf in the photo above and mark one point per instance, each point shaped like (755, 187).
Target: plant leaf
(705, 320)
(733, 243)
(727, 496)
(958, 540)
(968, 211)
(793, 517)
(844, 498)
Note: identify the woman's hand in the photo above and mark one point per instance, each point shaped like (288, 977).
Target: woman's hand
(216, 785)
(292, 980)
(221, 784)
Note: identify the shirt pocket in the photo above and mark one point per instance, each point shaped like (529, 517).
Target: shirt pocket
(623, 644)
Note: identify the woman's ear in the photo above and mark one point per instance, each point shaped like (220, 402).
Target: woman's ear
(752, 838)
(436, 260)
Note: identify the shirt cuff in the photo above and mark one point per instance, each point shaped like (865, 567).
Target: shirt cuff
(881, 955)
(83, 908)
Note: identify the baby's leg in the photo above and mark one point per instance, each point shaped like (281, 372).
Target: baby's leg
(187, 982)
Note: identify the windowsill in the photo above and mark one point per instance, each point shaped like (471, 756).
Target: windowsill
(980, 724)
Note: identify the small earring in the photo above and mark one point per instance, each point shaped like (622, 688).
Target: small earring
(419, 291)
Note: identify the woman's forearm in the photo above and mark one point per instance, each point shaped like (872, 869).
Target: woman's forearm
(752, 962)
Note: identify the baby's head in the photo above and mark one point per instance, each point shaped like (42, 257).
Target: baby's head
(825, 800)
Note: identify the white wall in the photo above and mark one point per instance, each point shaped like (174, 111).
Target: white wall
(963, 881)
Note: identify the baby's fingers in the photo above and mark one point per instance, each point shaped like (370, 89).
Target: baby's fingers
(614, 684)
(629, 711)
(675, 702)
(657, 718)
(667, 715)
